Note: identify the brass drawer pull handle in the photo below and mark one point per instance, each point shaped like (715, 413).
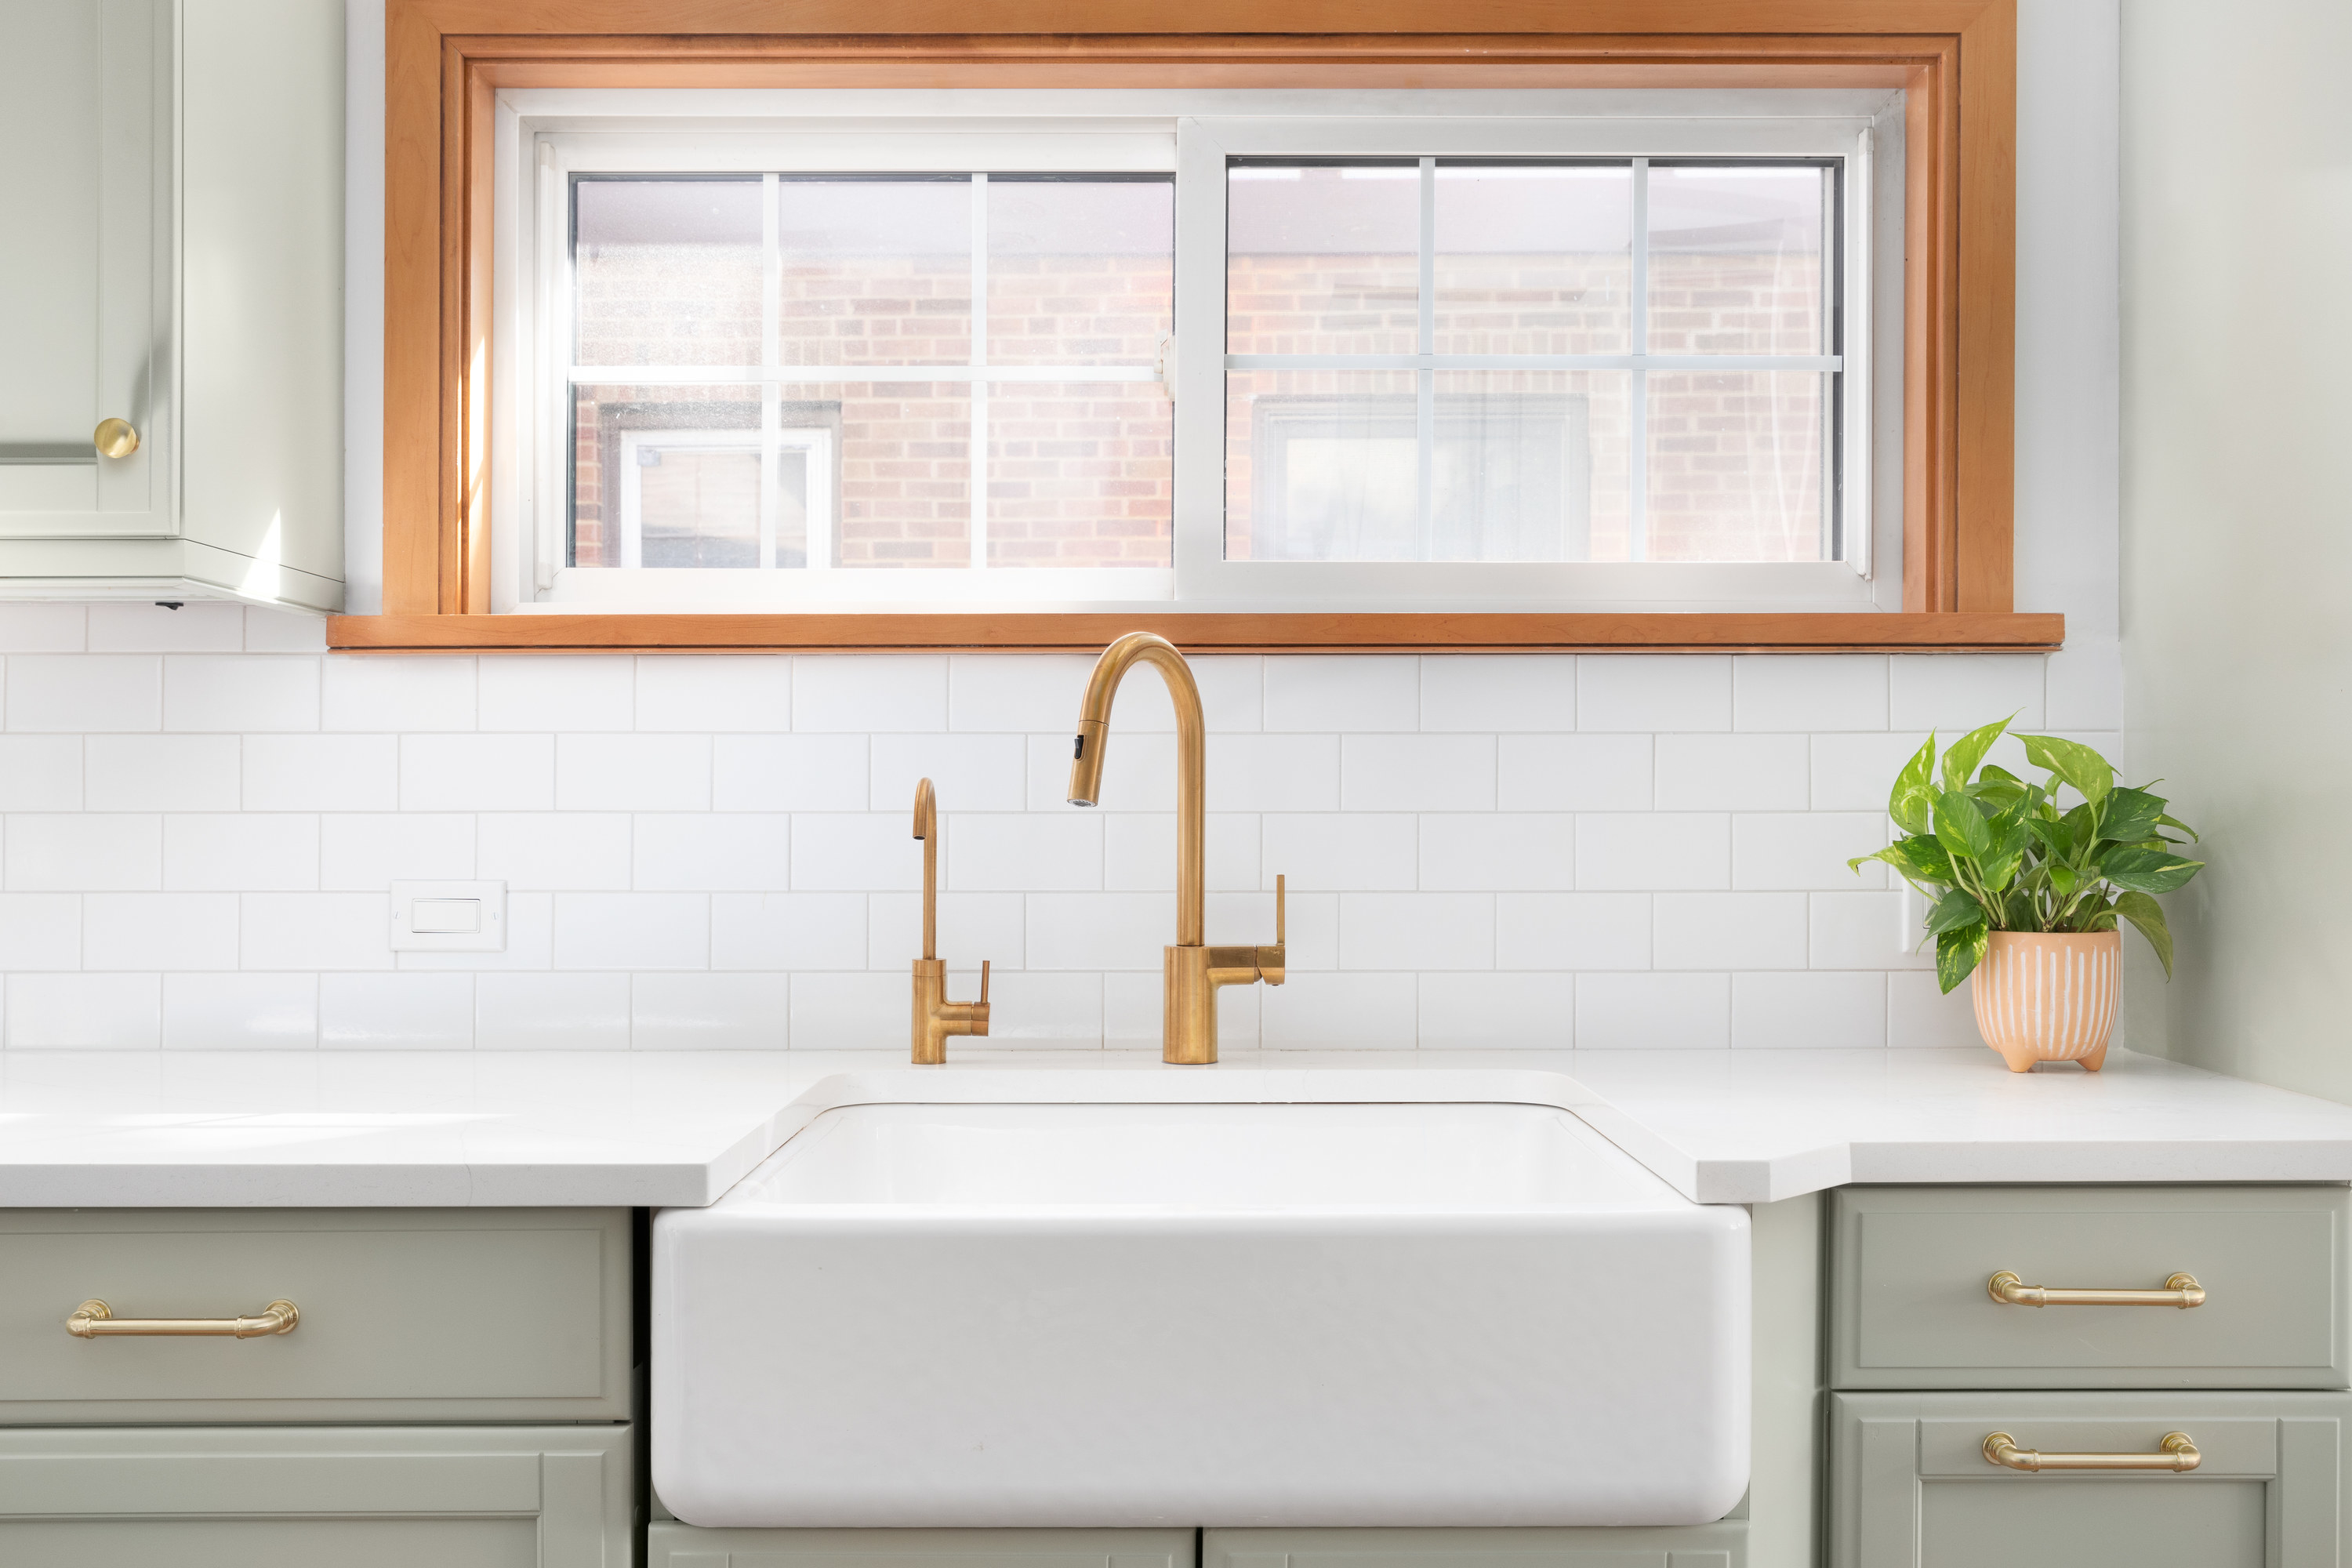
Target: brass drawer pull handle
(2179, 1454)
(96, 1319)
(2181, 1290)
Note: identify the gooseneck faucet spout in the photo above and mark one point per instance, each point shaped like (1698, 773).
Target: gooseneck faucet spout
(1194, 972)
(936, 1017)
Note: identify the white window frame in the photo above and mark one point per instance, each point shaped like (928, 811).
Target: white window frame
(767, 444)
(552, 133)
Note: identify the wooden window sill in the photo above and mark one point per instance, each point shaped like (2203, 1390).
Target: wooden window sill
(1201, 632)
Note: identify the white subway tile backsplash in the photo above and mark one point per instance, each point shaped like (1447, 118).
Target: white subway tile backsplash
(241, 852)
(1865, 931)
(84, 694)
(323, 773)
(40, 930)
(40, 626)
(1573, 931)
(1313, 918)
(562, 694)
(799, 931)
(1733, 772)
(1140, 851)
(199, 625)
(1809, 691)
(240, 693)
(315, 931)
(1856, 772)
(1496, 850)
(368, 851)
(1497, 1012)
(396, 694)
(1095, 931)
(73, 854)
(1417, 773)
(1730, 931)
(839, 852)
(1628, 851)
(554, 851)
(860, 1012)
(1233, 692)
(550, 1012)
(1365, 1012)
(41, 772)
(162, 772)
(968, 772)
(1822, 1010)
(714, 693)
(872, 692)
(632, 930)
(1273, 773)
(396, 1012)
(1802, 850)
(1416, 930)
(1133, 1016)
(738, 851)
(283, 631)
(632, 773)
(1574, 772)
(85, 1012)
(1653, 1012)
(709, 1011)
(240, 1012)
(2085, 687)
(1330, 853)
(484, 773)
(1957, 692)
(1017, 693)
(1654, 692)
(1021, 854)
(1028, 1009)
(159, 930)
(789, 772)
(1919, 1015)
(1498, 692)
(1350, 693)
(972, 927)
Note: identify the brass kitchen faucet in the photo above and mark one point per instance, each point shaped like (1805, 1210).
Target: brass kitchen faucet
(936, 1017)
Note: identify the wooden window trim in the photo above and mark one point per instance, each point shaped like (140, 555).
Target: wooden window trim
(446, 58)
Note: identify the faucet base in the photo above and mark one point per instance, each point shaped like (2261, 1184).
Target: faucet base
(1187, 1029)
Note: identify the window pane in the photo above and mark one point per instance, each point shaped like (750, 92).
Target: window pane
(1534, 258)
(1079, 475)
(1529, 466)
(1080, 272)
(1736, 260)
(906, 473)
(666, 272)
(876, 270)
(621, 435)
(1736, 462)
(1323, 260)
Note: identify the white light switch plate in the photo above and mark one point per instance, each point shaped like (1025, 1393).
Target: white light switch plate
(448, 916)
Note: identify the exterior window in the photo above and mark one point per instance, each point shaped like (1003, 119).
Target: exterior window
(1362, 361)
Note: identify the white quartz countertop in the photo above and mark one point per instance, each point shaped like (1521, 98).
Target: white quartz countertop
(562, 1129)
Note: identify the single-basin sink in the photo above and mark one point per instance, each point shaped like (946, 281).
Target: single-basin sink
(1097, 1314)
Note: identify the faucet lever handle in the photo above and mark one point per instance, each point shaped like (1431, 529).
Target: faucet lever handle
(983, 982)
(1278, 939)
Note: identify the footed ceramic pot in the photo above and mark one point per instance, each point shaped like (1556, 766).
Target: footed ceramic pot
(2048, 997)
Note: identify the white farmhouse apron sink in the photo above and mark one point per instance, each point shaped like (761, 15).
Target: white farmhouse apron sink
(1106, 1314)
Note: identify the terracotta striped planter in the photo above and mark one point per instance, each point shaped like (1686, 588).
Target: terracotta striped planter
(2048, 997)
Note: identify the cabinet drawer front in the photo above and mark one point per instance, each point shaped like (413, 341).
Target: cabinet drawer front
(404, 1315)
(669, 1544)
(1723, 1544)
(358, 1498)
(1911, 1308)
(1910, 1486)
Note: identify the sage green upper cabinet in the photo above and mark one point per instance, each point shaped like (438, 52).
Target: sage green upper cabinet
(171, 256)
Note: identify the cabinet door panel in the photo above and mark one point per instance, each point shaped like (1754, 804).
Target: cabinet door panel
(85, 115)
(1723, 1544)
(669, 1544)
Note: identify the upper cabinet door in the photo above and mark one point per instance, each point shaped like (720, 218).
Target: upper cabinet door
(84, 270)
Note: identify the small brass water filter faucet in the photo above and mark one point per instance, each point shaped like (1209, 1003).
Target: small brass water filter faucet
(935, 1017)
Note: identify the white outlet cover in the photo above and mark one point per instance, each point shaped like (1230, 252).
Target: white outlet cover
(443, 909)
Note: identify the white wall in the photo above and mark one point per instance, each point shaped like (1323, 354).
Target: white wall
(2237, 158)
(202, 810)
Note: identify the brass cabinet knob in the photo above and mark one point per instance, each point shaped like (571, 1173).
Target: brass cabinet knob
(114, 438)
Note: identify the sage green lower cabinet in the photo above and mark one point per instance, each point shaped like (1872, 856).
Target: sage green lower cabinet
(1911, 1487)
(669, 1544)
(1723, 1544)
(332, 1497)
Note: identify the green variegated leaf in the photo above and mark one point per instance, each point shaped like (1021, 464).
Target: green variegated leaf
(1960, 827)
(1954, 912)
(2176, 823)
(1919, 859)
(1961, 761)
(2141, 870)
(1958, 953)
(2009, 845)
(2076, 763)
(2130, 815)
(1913, 803)
(2148, 916)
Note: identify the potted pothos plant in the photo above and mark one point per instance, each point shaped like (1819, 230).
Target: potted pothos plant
(2027, 886)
